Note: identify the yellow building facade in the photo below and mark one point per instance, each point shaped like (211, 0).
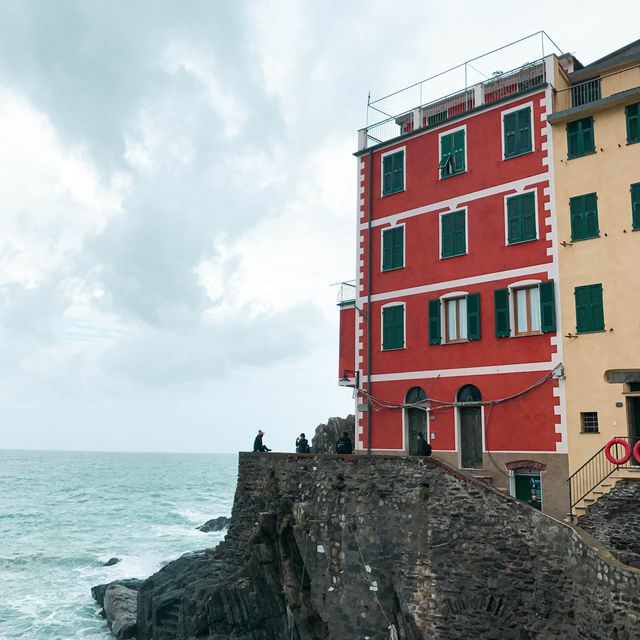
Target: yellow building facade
(595, 137)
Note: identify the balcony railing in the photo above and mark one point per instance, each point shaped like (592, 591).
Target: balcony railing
(346, 292)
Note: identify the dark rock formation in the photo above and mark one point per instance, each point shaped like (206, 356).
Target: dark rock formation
(111, 561)
(326, 436)
(97, 592)
(615, 521)
(120, 607)
(217, 524)
(327, 548)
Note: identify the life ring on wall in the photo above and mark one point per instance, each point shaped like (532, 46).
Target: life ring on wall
(636, 451)
(627, 450)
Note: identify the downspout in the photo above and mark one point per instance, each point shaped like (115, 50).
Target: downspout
(369, 214)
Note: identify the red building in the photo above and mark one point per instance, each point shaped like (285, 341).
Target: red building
(451, 329)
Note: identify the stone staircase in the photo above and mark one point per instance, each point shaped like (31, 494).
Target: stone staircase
(603, 488)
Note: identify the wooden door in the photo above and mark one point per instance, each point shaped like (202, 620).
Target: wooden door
(470, 437)
(416, 423)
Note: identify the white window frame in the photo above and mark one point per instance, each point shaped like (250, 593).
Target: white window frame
(466, 146)
(466, 232)
(404, 170)
(523, 284)
(506, 216)
(404, 246)
(526, 471)
(453, 295)
(533, 133)
(404, 327)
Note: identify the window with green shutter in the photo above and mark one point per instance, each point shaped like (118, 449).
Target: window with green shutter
(635, 206)
(452, 153)
(547, 307)
(473, 316)
(435, 331)
(521, 218)
(393, 248)
(589, 308)
(454, 234)
(632, 112)
(501, 311)
(393, 173)
(584, 217)
(393, 327)
(580, 139)
(517, 132)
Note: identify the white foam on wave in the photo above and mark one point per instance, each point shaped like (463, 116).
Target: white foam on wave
(197, 517)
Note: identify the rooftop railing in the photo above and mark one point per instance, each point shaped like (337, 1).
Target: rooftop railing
(478, 89)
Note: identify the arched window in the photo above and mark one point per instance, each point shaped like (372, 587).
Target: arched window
(469, 393)
(415, 394)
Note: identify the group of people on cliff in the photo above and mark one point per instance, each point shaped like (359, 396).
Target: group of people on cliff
(344, 445)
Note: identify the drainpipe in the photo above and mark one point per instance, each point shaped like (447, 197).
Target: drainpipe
(368, 317)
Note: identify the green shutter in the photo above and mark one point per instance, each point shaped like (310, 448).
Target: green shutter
(387, 175)
(521, 218)
(393, 327)
(393, 248)
(393, 173)
(446, 155)
(501, 304)
(452, 153)
(580, 139)
(547, 307)
(584, 217)
(473, 316)
(458, 151)
(635, 205)
(517, 132)
(435, 332)
(510, 135)
(633, 123)
(589, 308)
(454, 234)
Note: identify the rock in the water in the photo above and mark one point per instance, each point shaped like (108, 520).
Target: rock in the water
(111, 561)
(97, 592)
(120, 608)
(217, 524)
(326, 436)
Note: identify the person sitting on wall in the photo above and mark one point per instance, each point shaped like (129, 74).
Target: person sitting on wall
(344, 446)
(424, 448)
(257, 443)
(302, 444)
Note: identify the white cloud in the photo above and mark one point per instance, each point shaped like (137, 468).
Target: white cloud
(51, 195)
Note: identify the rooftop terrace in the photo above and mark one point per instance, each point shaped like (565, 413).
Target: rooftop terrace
(475, 83)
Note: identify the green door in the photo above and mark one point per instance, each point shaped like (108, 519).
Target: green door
(417, 423)
(529, 489)
(471, 437)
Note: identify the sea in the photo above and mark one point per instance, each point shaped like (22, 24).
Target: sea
(64, 514)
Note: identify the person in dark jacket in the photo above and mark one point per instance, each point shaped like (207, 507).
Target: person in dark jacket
(344, 446)
(257, 443)
(302, 444)
(424, 448)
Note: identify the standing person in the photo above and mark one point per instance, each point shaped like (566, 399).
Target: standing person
(424, 448)
(344, 446)
(302, 444)
(257, 443)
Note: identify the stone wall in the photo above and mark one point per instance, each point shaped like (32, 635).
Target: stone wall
(615, 521)
(335, 548)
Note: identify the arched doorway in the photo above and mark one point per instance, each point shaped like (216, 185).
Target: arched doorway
(415, 419)
(470, 427)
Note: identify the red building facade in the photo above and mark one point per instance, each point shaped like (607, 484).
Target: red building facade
(452, 329)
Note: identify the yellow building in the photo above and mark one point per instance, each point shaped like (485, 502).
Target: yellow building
(596, 159)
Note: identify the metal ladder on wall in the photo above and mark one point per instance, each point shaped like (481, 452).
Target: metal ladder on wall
(596, 477)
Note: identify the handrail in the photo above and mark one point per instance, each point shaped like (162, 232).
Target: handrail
(592, 474)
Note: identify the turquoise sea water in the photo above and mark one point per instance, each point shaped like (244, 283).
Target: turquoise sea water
(63, 514)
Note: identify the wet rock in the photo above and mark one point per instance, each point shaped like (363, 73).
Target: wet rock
(97, 592)
(111, 561)
(217, 524)
(120, 608)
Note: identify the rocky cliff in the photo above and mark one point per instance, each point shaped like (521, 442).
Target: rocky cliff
(326, 435)
(324, 547)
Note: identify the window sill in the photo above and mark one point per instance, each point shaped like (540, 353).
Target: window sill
(582, 155)
(582, 333)
(393, 193)
(509, 244)
(455, 255)
(526, 335)
(517, 155)
(461, 341)
(392, 349)
(391, 269)
(630, 142)
(590, 433)
(452, 175)
(582, 239)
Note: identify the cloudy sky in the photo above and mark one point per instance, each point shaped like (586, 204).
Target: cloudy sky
(177, 193)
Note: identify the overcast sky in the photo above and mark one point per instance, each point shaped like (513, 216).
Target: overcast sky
(177, 193)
